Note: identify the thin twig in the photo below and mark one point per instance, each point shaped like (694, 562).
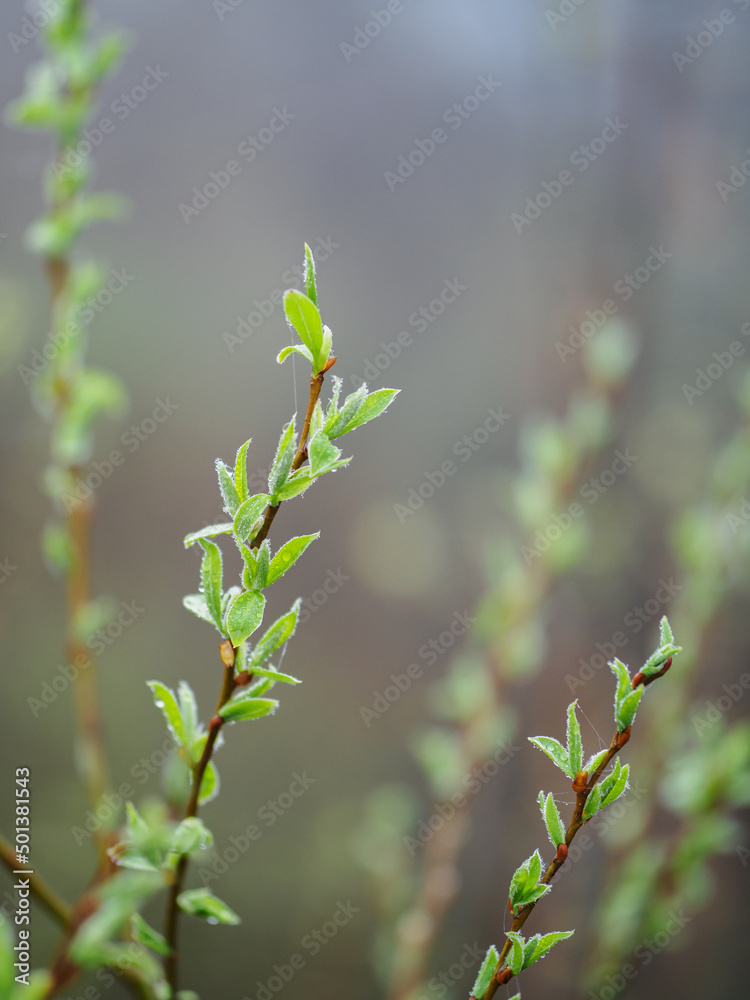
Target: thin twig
(230, 683)
(39, 888)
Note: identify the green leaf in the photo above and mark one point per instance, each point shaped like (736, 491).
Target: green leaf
(323, 455)
(165, 701)
(321, 358)
(574, 739)
(134, 860)
(191, 835)
(543, 944)
(486, 972)
(524, 886)
(208, 532)
(282, 463)
(202, 903)
(288, 555)
(618, 786)
(595, 760)
(337, 420)
(311, 285)
(244, 615)
(620, 671)
(298, 348)
(304, 317)
(552, 819)
(209, 784)
(281, 630)
(144, 934)
(375, 404)
(593, 803)
(555, 751)
(295, 485)
(666, 638)
(626, 709)
(515, 955)
(240, 471)
(239, 708)
(211, 579)
(262, 563)
(188, 711)
(228, 490)
(274, 675)
(248, 513)
(197, 604)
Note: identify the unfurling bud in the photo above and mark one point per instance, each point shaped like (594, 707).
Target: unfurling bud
(226, 650)
(579, 782)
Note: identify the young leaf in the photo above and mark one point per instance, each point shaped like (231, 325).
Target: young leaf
(288, 555)
(372, 407)
(282, 463)
(552, 819)
(595, 760)
(323, 455)
(248, 513)
(209, 784)
(524, 884)
(665, 632)
(202, 903)
(303, 316)
(228, 489)
(211, 581)
(543, 944)
(274, 675)
(239, 709)
(618, 786)
(244, 615)
(240, 472)
(515, 955)
(210, 531)
(298, 348)
(197, 604)
(188, 710)
(295, 485)
(625, 710)
(593, 803)
(281, 630)
(555, 751)
(191, 835)
(311, 286)
(574, 739)
(326, 348)
(620, 671)
(166, 701)
(262, 563)
(337, 420)
(147, 936)
(486, 972)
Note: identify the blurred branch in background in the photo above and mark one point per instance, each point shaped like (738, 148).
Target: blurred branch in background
(472, 701)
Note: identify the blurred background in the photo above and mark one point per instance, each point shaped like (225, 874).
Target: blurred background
(329, 112)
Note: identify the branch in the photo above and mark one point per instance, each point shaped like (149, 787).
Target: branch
(230, 683)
